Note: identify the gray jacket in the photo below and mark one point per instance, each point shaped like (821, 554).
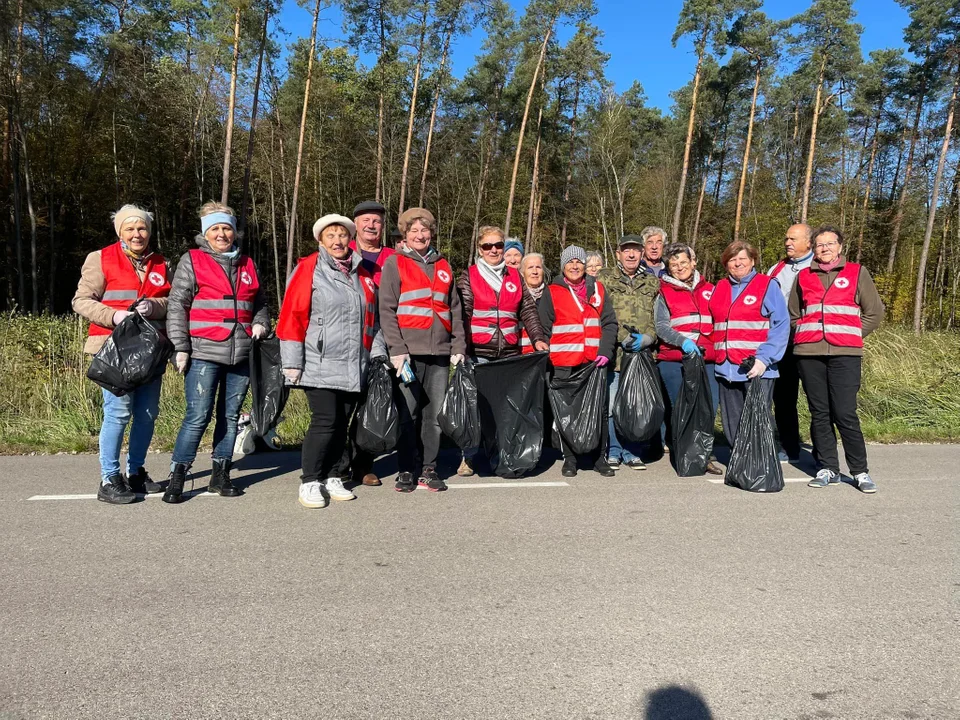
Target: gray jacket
(233, 350)
(332, 356)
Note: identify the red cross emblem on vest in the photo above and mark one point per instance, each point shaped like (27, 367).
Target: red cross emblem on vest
(749, 299)
(155, 278)
(245, 278)
(842, 283)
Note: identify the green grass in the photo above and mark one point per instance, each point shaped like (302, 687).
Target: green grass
(911, 390)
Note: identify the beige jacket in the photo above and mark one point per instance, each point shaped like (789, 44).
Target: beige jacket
(86, 302)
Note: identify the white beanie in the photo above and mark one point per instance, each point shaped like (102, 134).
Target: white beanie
(131, 211)
(328, 220)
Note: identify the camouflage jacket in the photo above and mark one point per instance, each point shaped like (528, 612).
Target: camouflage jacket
(632, 300)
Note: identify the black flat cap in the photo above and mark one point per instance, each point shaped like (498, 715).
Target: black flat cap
(369, 206)
(628, 240)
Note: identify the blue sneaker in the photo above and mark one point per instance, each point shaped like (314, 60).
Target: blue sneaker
(824, 477)
(865, 483)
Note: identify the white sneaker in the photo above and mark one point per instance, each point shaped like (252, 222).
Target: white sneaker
(337, 491)
(311, 495)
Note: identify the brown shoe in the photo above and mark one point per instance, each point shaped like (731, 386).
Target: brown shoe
(714, 469)
(371, 479)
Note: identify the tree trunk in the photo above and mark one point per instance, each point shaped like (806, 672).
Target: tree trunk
(528, 240)
(433, 110)
(253, 125)
(701, 50)
(746, 157)
(523, 127)
(901, 201)
(28, 186)
(812, 150)
(273, 228)
(292, 227)
(869, 184)
(17, 212)
(231, 107)
(932, 214)
(381, 108)
(413, 110)
(569, 180)
(703, 191)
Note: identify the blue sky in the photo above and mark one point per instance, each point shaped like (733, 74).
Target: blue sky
(637, 37)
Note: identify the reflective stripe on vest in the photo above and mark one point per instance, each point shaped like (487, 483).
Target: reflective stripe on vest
(494, 311)
(218, 308)
(690, 316)
(739, 327)
(830, 314)
(122, 285)
(575, 336)
(420, 300)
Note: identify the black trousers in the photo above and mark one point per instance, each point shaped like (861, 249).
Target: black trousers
(831, 383)
(786, 390)
(323, 454)
(598, 453)
(732, 398)
(419, 404)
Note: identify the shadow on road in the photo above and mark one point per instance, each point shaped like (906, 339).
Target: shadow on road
(676, 703)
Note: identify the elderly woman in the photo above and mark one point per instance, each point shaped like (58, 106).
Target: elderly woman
(217, 309)
(534, 274)
(423, 328)
(111, 280)
(513, 253)
(751, 327)
(594, 263)
(328, 330)
(684, 324)
(833, 306)
(581, 327)
(496, 304)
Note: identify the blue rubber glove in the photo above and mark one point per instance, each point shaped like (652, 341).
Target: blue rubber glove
(636, 342)
(689, 347)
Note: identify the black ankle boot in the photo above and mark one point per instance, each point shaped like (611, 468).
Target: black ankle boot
(220, 482)
(178, 477)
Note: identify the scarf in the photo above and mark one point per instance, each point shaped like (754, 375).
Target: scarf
(493, 274)
(345, 265)
(537, 292)
(580, 288)
(671, 280)
(828, 266)
(137, 258)
(233, 253)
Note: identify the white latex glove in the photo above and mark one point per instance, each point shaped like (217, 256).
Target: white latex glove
(542, 346)
(181, 362)
(292, 374)
(757, 370)
(145, 308)
(259, 332)
(120, 315)
(456, 359)
(397, 361)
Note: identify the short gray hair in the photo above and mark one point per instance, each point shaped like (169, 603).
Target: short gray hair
(651, 230)
(523, 262)
(594, 255)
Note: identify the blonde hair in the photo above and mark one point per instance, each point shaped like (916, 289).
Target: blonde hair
(212, 206)
(490, 230)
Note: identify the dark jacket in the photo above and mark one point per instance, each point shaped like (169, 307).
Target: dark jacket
(608, 319)
(233, 350)
(497, 347)
(434, 341)
(871, 310)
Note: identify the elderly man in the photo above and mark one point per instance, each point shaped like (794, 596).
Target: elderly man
(632, 292)
(369, 218)
(653, 238)
(799, 255)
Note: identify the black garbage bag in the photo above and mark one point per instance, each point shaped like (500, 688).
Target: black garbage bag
(135, 353)
(579, 406)
(638, 409)
(692, 420)
(377, 422)
(754, 464)
(267, 390)
(459, 417)
(510, 397)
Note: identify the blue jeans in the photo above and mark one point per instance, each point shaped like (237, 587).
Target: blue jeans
(206, 381)
(617, 451)
(142, 406)
(671, 372)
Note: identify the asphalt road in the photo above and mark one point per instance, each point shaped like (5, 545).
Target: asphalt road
(644, 596)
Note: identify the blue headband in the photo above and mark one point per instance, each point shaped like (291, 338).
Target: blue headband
(513, 245)
(208, 221)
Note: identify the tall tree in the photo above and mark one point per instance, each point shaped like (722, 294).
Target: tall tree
(424, 12)
(233, 103)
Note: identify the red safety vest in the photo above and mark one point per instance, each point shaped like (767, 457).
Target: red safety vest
(526, 344)
(830, 314)
(122, 285)
(385, 253)
(420, 300)
(739, 327)
(495, 311)
(575, 337)
(689, 316)
(218, 307)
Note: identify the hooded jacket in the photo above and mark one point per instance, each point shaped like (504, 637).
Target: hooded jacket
(608, 319)
(233, 350)
(331, 355)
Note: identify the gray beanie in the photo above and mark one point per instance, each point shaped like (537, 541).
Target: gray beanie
(572, 252)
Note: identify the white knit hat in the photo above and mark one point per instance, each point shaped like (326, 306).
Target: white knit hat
(328, 220)
(572, 252)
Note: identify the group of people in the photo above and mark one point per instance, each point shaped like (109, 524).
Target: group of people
(355, 301)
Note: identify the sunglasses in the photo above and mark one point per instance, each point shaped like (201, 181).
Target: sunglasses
(492, 246)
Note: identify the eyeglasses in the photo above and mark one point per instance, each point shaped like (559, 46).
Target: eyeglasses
(492, 246)
(824, 246)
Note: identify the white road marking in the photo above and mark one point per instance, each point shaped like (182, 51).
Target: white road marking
(474, 486)
(93, 496)
(719, 481)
